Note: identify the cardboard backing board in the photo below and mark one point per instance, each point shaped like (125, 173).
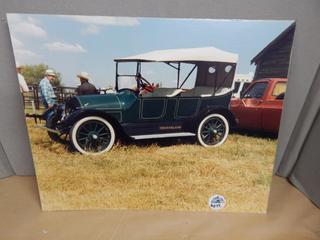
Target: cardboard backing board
(290, 216)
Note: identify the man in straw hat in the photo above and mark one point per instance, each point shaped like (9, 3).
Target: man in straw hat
(85, 88)
(47, 93)
(22, 82)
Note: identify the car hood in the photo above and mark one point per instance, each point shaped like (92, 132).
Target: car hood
(111, 101)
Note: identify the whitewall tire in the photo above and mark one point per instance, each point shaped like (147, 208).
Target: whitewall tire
(213, 130)
(92, 135)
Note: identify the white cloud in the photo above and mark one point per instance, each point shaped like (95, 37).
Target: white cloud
(105, 21)
(94, 23)
(65, 47)
(33, 20)
(27, 26)
(29, 29)
(16, 43)
(22, 54)
(91, 29)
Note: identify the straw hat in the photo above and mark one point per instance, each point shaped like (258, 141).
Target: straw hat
(50, 72)
(18, 65)
(84, 75)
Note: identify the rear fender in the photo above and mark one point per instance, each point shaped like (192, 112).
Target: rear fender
(223, 111)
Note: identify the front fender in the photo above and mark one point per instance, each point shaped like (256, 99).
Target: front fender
(76, 115)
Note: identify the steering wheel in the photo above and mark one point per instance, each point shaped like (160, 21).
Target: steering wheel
(144, 84)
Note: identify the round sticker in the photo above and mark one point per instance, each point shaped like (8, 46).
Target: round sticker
(217, 202)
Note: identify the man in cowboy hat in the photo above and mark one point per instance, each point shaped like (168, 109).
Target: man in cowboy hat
(85, 88)
(47, 93)
(22, 82)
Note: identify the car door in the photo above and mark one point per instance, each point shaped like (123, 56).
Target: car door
(153, 108)
(186, 107)
(272, 107)
(249, 110)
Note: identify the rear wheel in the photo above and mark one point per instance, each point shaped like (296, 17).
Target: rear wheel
(213, 130)
(92, 135)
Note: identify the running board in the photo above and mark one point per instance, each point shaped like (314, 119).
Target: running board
(163, 135)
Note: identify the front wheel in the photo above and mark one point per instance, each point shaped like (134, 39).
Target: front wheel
(92, 135)
(213, 130)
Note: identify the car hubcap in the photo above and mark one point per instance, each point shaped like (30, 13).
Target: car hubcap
(213, 131)
(93, 136)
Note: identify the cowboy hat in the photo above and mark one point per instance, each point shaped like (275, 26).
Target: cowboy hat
(84, 75)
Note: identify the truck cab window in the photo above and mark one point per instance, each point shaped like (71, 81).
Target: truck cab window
(279, 90)
(257, 90)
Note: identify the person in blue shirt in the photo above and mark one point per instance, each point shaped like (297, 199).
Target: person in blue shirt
(48, 96)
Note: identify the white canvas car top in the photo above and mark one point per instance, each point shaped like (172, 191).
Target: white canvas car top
(206, 54)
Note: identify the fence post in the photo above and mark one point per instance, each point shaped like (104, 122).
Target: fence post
(36, 96)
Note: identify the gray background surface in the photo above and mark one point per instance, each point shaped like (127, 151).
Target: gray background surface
(304, 61)
(305, 173)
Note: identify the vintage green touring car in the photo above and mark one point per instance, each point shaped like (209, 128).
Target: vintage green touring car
(94, 122)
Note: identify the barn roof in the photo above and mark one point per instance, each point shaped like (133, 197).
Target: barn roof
(273, 43)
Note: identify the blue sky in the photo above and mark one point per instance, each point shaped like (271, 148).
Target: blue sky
(70, 44)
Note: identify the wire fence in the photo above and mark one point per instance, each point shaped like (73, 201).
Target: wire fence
(32, 99)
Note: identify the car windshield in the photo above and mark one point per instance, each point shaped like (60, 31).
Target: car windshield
(257, 90)
(160, 74)
(127, 82)
(166, 76)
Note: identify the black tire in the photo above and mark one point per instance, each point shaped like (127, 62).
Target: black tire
(213, 130)
(92, 135)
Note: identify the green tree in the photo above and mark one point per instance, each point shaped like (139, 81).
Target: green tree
(34, 73)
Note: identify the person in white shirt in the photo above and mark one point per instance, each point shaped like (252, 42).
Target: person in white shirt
(22, 82)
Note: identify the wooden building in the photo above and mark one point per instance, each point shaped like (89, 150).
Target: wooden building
(273, 60)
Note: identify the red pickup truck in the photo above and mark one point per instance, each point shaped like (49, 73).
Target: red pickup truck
(260, 106)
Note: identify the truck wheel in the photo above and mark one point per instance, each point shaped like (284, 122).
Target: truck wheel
(213, 130)
(92, 135)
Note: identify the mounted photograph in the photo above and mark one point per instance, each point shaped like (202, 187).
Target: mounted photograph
(152, 113)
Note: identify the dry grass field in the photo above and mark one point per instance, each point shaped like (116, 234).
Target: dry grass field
(166, 174)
